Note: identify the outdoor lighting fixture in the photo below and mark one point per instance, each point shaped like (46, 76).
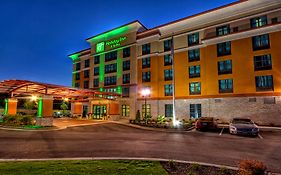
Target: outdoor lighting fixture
(66, 99)
(176, 123)
(34, 98)
(145, 93)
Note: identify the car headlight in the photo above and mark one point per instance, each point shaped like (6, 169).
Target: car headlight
(233, 128)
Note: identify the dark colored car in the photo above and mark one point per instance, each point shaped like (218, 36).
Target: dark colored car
(206, 123)
(243, 126)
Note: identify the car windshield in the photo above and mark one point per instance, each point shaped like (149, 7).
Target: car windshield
(242, 121)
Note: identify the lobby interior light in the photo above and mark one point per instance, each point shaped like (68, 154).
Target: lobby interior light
(65, 99)
(34, 98)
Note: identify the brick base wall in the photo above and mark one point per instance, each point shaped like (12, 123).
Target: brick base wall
(263, 110)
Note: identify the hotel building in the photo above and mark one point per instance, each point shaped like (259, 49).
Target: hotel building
(227, 63)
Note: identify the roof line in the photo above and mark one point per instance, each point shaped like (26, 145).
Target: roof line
(195, 15)
(135, 21)
(88, 49)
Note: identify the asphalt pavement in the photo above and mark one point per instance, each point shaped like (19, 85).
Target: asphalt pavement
(115, 140)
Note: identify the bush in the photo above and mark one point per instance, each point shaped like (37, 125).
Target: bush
(251, 167)
(161, 119)
(138, 117)
(18, 120)
(146, 118)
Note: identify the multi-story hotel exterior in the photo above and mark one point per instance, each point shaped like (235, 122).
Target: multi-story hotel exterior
(227, 63)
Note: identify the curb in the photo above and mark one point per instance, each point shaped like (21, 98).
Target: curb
(55, 129)
(153, 129)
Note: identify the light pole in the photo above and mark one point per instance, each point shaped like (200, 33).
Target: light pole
(145, 93)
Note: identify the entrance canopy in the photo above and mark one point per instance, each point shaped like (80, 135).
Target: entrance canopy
(21, 88)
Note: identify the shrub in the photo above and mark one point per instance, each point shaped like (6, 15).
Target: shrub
(161, 119)
(146, 118)
(172, 164)
(251, 167)
(11, 120)
(26, 120)
(138, 117)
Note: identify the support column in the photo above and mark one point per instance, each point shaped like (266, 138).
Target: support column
(45, 106)
(77, 109)
(10, 106)
(45, 111)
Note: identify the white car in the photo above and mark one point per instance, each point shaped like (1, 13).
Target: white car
(243, 126)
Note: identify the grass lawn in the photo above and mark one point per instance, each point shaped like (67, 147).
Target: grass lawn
(96, 167)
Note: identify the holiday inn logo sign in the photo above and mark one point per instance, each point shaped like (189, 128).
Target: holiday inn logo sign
(112, 44)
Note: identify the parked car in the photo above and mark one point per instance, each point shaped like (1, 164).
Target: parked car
(243, 126)
(205, 123)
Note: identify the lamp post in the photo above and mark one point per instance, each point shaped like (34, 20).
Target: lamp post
(145, 93)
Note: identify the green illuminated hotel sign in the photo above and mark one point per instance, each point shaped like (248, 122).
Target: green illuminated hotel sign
(100, 47)
(116, 42)
(112, 44)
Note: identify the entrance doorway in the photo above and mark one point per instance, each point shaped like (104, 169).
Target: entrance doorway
(85, 111)
(99, 111)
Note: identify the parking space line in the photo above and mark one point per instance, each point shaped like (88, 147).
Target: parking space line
(260, 136)
(221, 131)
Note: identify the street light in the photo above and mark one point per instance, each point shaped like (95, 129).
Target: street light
(145, 93)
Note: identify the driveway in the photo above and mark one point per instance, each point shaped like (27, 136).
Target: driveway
(114, 140)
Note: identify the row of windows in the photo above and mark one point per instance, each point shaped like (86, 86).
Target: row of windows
(263, 83)
(194, 110)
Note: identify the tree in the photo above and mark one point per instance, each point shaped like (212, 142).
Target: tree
(29, 104)
(64, 107)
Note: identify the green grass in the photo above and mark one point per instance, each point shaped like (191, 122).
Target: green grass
(83, 167)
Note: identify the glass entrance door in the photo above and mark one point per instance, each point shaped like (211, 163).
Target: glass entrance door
(99, 111)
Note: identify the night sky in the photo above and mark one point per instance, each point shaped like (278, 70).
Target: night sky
(37, 35)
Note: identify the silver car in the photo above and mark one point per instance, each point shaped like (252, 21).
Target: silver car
(243, 126)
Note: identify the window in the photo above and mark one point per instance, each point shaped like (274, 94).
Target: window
(77, 85)
(224, 48)
(126, 52)
(86, 84)
(258, 22)
(146, 62)
(274, 20)
(226, 86)
(146, 49)
(264, 83)
(193, 39)
(261, 42)
(111, 56)
(125, 92)
(263, 62)
(126, 78)
(194, 55)
(194, 88)
(87, 63)
(167, 45)
(195, 110)
(167, 60)
(235, 29)
(146, 76)
(96, 71)
(168, 74)
(86, 74)
(168, 90)
(225, 67)
(77, 76)
(146, 109)
(96, 82)
(110, 68)
(125, 110)
(223, 30)
(78, 66)
(168, 110)
(110, 80)
(194, 71)
(97, 59)
(126, 65)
